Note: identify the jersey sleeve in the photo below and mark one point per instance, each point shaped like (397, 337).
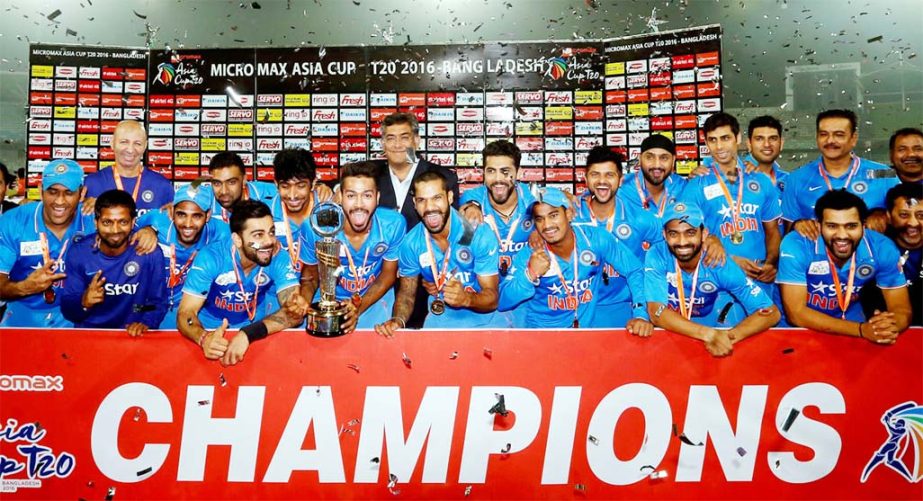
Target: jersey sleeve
(516, 287)
(93, 185)
(409, 261)
(655, 277)
(201, 275)
(890, 275)
(282, 273)
(791, 211)
(750, 295)
(792, 260)
(771, 208)
(9, 244)
(163, 192)
(486, 253)
(472, 195)
(620, 258)
(74, 285)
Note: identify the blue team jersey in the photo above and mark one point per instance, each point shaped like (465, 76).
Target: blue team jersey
(759, 204)
(660, 285)
(777, 175)
(807, 184)
(278, 219)
(512, 234)
(213, 278)
(135, 287)
(637, 237)
(804, 262)
(553, 304)
(256, 190)
(22, 252)
(155, 190)
(214, 231)
(382, 244)
(473, 253)
(637, 201)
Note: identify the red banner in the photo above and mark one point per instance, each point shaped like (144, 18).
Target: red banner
(589, 414)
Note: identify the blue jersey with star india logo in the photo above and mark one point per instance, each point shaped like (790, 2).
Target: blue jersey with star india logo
(135, 287)
(805, 262)
(552, 303)
(640, 207)
(154, 192)
(471, 253)
(362, 266)
(24, 243)
(217, 276)
(178, 258)
(254, 190)
(702, 289)
(513, 233)
(804, 186)
(613, 295)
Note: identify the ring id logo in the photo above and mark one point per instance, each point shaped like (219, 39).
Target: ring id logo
(35, 462)
(902, 451)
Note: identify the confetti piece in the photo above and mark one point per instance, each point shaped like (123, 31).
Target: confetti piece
(222, 380)
(110, 494)
(741, 451)
(875, 39)
(54, 15)
(593, 439)
(145, 471)
(778, 463)
(375, 460)
(467, 490)
(407, 361)
(90, 483)
(64, 356)
(352, 422)
(256, 5)
(684, 439)
(453, 356)
(392, 482)
(204, 402)
(675, 433)
(137, 416)
(318, 391)
(657, 475)
(353, 367)
(580, 487)
(788, 350)
(500, 406)
(648, 466)
(507, 448)
(790, 419)
(489, 353)
(142, 16)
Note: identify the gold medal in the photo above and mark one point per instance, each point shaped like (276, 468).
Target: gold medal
(49, 295)
(438, 307)
(576, 324)
(737, 238)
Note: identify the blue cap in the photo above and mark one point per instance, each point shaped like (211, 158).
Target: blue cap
(551, 196)
(65, 172)
(196, 195)
(690, 214)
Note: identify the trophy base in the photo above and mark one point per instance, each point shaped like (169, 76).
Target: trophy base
(326, 321)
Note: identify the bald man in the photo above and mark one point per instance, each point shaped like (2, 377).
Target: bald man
(149, 189)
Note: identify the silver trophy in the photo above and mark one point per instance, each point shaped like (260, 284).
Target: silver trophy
(326, 317)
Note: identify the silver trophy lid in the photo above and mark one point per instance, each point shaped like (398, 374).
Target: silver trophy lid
(327, 219)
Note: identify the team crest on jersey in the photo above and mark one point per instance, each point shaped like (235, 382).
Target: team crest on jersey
(753, 186)
(464, 255)
(147, 195)
(527, 224)
(131, 268)
(588, 258)
(623, 231)
(60, 168)
(380, 249)
(860, 187)
(708, 287)
(865, 270)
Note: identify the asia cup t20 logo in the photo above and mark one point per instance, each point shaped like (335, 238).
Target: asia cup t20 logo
(903, 449)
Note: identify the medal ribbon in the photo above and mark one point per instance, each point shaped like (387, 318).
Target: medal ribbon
(489, 219)
(440, 278)
(118, 182)
(352, 266)
(644, 196)
(838, 288)
(852, 170)
(681, 291)
(735, 208)
(293, 246)
(240, 284)
(46, 250)
(567, 289)
(610, 222)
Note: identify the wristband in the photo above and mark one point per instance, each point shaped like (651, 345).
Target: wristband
(403, 324)
(530, 275)
(860, 330)
(255, 331)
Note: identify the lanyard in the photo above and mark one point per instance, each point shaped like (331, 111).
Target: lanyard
(564, 281)
(643, 195)
(489, 219)
(250, 312)
(843, 302)
(46, 250)
(735, 207)
(293, 246)
(852, 170)
(610, 222)
(352, 267)
(681, 291)
(439, 278)
(118, 182)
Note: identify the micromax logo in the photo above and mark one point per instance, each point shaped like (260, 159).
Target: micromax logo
(22, 382)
